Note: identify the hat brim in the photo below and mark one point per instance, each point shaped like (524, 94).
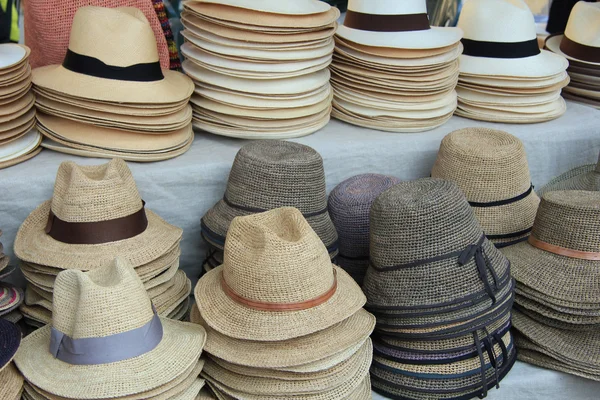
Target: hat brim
(10, 339)
(579, 178)
(433, 38)
(32, 244)
(250, 324)
(20, 147)
(540, 65)
(179, 349)
(11, 383)
(553, 44)
(174, 87)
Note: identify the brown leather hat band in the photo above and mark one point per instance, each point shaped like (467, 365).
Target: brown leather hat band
(386, 23)
(562, 251)
(264, 306)
(97, 232)
(580, 51)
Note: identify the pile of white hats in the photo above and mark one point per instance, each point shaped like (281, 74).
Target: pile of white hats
(260, 68)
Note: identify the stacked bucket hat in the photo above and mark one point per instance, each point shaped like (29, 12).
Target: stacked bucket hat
(295, 326)
(17, 112)
(349, 205)
(585, 177)
(490, 167)
(580, 44)
(107, 341)
(448, 336)
(11, 296)
(504, 76)
(557, 303)
(391, 70)
(260, 68)
(110, 97)
(267, 175)
(95, 214)
(11, 381)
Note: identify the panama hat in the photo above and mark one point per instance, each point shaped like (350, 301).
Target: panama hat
(11, 383)
(500, 39)
(123, 67)
(309, 295)
(20, 149)
(164, 351)
(585, 177)
(581, 39)
(100, 196)
(388, 23)
(13, 56)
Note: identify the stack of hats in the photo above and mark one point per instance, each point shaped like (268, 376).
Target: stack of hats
(580, 44)
(295, 327)
(110, 97)
(441, 293)
(491, 169)
(349, 205)
(504, 76)
(391, 71)
(17, 113)
(585, 177)
(267, 175)
(557, 302)
(107, 342)
(96, 214)
(11, 381)
(260, 68)
(11, 296)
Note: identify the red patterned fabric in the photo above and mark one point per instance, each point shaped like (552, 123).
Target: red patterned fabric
(161, 12)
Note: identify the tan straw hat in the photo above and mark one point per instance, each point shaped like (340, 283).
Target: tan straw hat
(95, 214)
(11, 383)
(585, 177)
(277, 281)
(112, 56)
(124, 348)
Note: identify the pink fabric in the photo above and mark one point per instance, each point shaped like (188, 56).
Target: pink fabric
(48, 25)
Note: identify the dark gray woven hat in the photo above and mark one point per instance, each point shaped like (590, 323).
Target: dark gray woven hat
(349, 205)
(585, 177)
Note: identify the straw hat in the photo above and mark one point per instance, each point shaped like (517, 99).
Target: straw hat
(106, 303)
(10, 339)
(389, 23)
(349, 205)
(4, 260)
(491, 169)
(94, 196)
(585, 177)
(123, 67)
(500, 40)
(308, 295)
(11, 383)
(270, 174)
(11, 298)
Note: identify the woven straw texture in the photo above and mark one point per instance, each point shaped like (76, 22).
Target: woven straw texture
(586, 177)
(270, 174)
(11, 383)
(4, 259)
(48, 25)
(489, 165)
(349, 205)
(98, 303)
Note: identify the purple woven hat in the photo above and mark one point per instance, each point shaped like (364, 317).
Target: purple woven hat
(349, 205)
(10, 339)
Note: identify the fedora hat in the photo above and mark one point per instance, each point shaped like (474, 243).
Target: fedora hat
(124, 347)
(585, 177)
(349, 204)
(123, 67)
(307, 295)
(581, 39)
(267, 175)
(500, 40)
(95, 214)
(396, 24)
(490, 167)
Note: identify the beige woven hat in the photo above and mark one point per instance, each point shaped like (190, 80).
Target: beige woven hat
(95, 214)
(585, 177)
(121, 67)
(490, 167)
(279, 285)
(11, 383)
(123, 347)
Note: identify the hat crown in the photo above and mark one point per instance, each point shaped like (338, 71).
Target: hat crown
(569, 219)
(583, 26)
(270, 174)
(487, 164)
(116, 36)
(388, 7)
(276, 257)
(102, 302)
(497, 21)
(94, 193)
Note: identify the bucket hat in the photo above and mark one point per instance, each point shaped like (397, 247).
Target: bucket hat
(270, 174)
(349, 204)
(11, 383)
(490, 167)
(277, 286)
(585, 177)
(107, 308)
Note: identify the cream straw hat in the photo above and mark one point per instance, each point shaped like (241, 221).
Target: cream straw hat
(11, 383)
